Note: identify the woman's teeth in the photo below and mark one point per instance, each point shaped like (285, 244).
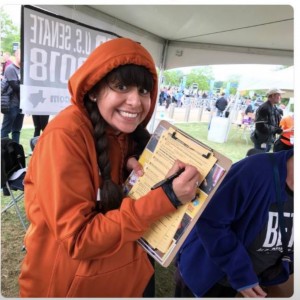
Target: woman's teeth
(128, 115)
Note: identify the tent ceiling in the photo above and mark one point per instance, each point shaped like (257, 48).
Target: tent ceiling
(260, 26)
(259, 33)
(196, 35)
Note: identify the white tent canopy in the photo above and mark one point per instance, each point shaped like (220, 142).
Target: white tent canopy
(193, 35)
(282, 79)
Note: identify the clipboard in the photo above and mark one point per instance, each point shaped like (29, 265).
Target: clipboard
(168, 143)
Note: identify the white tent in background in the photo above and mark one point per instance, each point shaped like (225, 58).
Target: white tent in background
(282, 79)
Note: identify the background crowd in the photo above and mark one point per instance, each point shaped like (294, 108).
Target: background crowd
(12, 122)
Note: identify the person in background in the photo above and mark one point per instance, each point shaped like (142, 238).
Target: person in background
(13, 121)
(179, 95)
(250, 107)
(286, 139)
(237, 240)
(1, 71)
(221, 105)
(267, 118)
(168, 97)
(248, 114)
(40, 122)
(6, 61)
(162, 96)
(84, 230)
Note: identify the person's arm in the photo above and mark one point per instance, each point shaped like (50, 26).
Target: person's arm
(13, 80)
(66, 186)
(262, 120)
(216, 226)
(15, 85)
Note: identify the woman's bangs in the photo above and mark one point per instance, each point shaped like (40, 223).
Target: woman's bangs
(132, 75)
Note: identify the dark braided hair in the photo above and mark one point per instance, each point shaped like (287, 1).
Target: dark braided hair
(111, 193)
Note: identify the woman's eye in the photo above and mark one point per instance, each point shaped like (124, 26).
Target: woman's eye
(121, 87)
(143, 91)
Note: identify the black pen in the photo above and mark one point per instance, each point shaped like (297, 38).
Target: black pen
(168, 179)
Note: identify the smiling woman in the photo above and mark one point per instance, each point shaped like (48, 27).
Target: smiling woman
(123, 97)
(80, 209)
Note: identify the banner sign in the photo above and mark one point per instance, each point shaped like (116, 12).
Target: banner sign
(53, 48)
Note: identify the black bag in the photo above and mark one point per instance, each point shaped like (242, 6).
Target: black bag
(257, 137)
(12, 158)
(6, 92)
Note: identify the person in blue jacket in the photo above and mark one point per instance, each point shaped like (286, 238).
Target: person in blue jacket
(237, 237)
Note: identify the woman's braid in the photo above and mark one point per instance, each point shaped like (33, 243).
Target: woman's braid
(111, 193)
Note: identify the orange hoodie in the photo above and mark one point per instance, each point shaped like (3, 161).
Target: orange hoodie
(73, 251)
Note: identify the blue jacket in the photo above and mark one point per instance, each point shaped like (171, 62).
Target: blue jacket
(231, 221)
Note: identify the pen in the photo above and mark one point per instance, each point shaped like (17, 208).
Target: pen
(168, 179)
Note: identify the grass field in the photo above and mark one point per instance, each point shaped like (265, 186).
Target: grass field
(12, 232)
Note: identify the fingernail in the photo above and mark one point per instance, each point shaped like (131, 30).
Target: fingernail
(140, 173)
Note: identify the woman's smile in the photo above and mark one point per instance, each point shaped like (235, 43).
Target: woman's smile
(126, 114)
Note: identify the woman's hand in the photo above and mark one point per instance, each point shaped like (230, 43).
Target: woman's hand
(186, 184)
(254, 292)
(134, 165)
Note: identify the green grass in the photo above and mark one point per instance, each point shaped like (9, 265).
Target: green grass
(12, 232)
(26, 135)
(237, 144)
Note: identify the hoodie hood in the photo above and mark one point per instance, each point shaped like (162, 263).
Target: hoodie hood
(105, 58)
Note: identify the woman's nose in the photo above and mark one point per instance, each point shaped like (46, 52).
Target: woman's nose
(133, 97)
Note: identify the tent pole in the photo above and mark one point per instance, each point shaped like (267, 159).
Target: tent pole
(160, 76)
